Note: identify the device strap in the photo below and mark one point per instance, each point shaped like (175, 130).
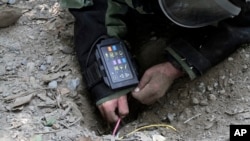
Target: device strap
(92, 75)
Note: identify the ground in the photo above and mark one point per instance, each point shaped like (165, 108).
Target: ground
(42, 96)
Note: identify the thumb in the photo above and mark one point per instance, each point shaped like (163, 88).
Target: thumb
(143, 82)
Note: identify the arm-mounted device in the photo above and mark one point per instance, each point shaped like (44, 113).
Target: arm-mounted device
(113, 65)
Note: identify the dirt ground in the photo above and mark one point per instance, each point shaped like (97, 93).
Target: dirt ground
(42, 97)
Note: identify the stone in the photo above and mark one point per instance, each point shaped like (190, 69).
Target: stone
(52, 84)
(212, 97)
(9, 16)
(195, 101)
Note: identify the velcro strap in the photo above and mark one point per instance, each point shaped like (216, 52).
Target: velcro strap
(92, 75)
(193, 57)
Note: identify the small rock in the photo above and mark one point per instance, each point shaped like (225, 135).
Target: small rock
(11, 1)
(207, 109)
(202, 87)
(223, 91)
(230, 59)
(158, 138)
(171, 116)
(231, 81)
(53, 84)
(195, 101)
(1, 90)
(244, 69)
(49, 59)
(247, 55)
(209, 88)
(30, 66)
(24, 62)
(67, 50)
(212, 97)
(216, 84)
(56, 126)
(9, 16)
(64, 91)
(71, 119)
(73, 84)
(204, 102)
(42, 68)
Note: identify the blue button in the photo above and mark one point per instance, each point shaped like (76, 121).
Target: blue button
(124, 60)
(114, 48)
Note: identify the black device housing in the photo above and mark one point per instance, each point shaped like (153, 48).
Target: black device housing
(115, 64)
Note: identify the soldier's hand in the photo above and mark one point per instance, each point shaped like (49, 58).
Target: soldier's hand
(113, 109)
(155, 82)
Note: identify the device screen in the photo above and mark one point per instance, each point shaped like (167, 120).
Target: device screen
(117, 63)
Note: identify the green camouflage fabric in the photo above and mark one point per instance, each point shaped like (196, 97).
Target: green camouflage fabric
(117, 28)
(117, 8)
(75, 3)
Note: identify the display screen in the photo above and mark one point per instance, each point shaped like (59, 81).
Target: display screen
(117, 63)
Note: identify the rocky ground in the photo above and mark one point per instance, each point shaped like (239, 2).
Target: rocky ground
(42, 97)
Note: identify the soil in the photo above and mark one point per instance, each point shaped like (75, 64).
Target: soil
(42, 96)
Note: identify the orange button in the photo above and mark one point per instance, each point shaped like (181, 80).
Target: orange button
(109, 48)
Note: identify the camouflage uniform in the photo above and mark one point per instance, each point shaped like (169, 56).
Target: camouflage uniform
(192, 50)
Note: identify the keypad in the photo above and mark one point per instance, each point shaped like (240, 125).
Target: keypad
(117, 63)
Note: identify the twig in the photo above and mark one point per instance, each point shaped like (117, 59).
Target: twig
(74, 122)
(191, 118)
(48, 132)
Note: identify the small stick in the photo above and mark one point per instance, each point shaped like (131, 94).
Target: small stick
(191, 118)
(47, 132)
(75, 122)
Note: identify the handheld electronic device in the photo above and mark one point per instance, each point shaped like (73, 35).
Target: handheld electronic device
(115, 64)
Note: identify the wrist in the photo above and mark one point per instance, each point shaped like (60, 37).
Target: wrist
(173, 71)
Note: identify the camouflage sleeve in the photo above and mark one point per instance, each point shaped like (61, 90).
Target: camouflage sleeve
(116, 27)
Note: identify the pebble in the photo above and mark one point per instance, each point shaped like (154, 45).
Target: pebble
(247, 55)
(204, 102)
(202, 87)
(209, 88)
(24, 62)
(212, 97)
(49, 59)
(30, 66)
(231, 81)
(73, 84)
(64, 91)
(171, 116)
(52, 84)
(230, 59)
(1, 90)
(67, 50)
(42, 68)
(223, 91)
(195, 101)
(11, 1)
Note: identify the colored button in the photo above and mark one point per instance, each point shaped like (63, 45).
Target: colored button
(119, 61)
(114, 62)
(114, 47)
(109, 48)
(124, 60)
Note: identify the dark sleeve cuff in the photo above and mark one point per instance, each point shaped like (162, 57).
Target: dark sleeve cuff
(183, 56)
(101, 93)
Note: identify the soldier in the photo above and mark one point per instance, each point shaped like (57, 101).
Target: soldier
(192, 36)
